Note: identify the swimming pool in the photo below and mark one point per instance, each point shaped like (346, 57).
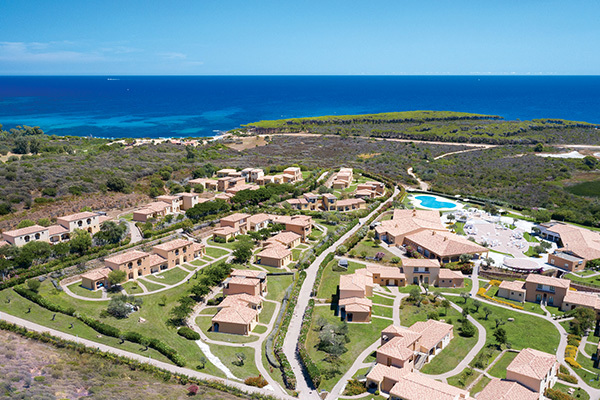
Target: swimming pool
(434, 202)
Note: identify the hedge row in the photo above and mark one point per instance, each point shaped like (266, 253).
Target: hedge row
(286, 369)
(311, 367)
(160, 373)
(102, 327)
(188, 333)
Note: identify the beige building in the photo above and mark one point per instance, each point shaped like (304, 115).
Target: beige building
(206, 183)
(355, 309)
(154, 210)
(175, 202)
(275, 255)
(256, 174)
(387, 276)
(87, 221)
(420, 270)
(512, 290)
(287, 239)
(546, 289)
(533, 369)
(235, 320)
(179, 251)
(499, 389)
(448, 278)
(350, 205)
(251, 282)
(226, 233)
(188, 200)
(259, 221)
(22, 236)
(96, 279)
(576, 245)
(238, 221)
(225, 172)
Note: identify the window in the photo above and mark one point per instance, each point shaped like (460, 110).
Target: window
(79, 223)
(139, 262)
(89, 221)
(37, 235)
(177, 252)
(26, 238)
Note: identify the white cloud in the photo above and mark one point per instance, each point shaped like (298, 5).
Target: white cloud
(172, 56)
(45, 52)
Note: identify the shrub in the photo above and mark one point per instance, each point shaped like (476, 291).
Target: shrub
(554, 394)
(571, 361)
(571, 351)
(354, 387)
(567, 378)
(188, 333)
(573, 340)
(467, 329)
(563, 370)
(257, 381)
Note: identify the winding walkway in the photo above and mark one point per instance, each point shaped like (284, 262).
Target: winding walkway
(303, 383)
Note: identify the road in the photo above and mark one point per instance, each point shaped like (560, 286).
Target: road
(136, 235)
(166, 366)
(303, 383)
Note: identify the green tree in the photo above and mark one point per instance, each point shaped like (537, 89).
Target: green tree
(500, 336)
(583, 320)
(242, 251)
(116, 277)
(80, 241)
(34, 284)
(487, 311)
(200, 290)
(465, 258)
(25, 223)
(111, 233)
(446, 305)
(467, 329)
(117, 184)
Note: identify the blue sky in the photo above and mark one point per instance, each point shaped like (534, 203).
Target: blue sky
(327, 37)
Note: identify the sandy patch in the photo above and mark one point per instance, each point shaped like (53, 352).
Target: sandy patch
(572, 154)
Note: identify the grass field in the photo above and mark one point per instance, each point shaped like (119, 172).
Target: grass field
(544, 337)
(277, 285)
(478, 387)
(81, 291)
(361, 337)
(260, 329)
(132, 287)
(150, 285)
(591, 378)
(387, 312)
(368, 248)
(227, 354)
(466, 289)
(587, 189)
(169, 277)
(377, 299)
(499, 369)
(216, 253)
(459, 346)
(578, 394)
(463, 379)
(267, 312)
(197, 263)
(330, 279)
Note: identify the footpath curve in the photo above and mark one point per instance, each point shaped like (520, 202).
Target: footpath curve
(303, 384)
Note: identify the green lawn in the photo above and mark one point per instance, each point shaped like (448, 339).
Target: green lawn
(544, 337)
(487, 355)
(149, 285)
(188, 267)
(527, 306)
(267, 312)
(330, 279)
(277, 285)
(466, 289)
(377, 299)
(383, 311)
(209, 311)
(197, 263)
(296, 254)
(464, 379)
(368, 248)
(459, 346)
(215, 253)
(407, 288)
(578, 394)
(260, 329)
(530, 238)
(169, 277)
(81, 291)
(229, 245)
(588, 377)
(227, 354)
(480, 385)
(205, 323)
(132, 287)
(594, 280)
(156, 316)
(499, 369)
(361, 337)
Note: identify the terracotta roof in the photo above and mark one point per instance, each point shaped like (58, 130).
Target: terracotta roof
(155, 207)
(197, 246)
(446, 273)
(363, 192)
(258, 218)
(432, 332)
(4, 243)
(329, 196)
(532, 363)
(356, 304)
(349, 202)
(103, 218)
(97, 274)
(127, 257)
(239, 188)
(298, 220)
(155, 259)
(397, 347)
(236, 280)
(285, 238)
(275, 251)
(445, 243)
(404, 222)
(583, 299)
(240, 300)
(414, 386)
(386, 272)
(184, 194)
(200, 181)
(77, 216)
(235, 217)
(236, 315)
(26, 231)
(249, 273)
(296, 201)
(166, 197)
(57, 230)
(356, 281)
(226, 170)
(173, 244)
(420, 262)
(517, 286)
(292, 169)
(224, 196)
(580, 241)
(381, 371)
(548, 280)
(506, 390)
(226, 230)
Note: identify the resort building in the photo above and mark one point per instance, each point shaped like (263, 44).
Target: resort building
(576, 245)
(155, 210)
(235, 320)
(274, 255)
(300, 224)
(575, 299)
(355, 309)
(350, 205)
(287, 239)
(251, 282)
(259, 221)
(546, 290)
(188, 200)
(174, 201)
(226, 233)
(343, 179)
(137, 263)
(448, 278)
(402, 384)
(238, 221)
(241, 300)
(206, 183)
(533, 369)
(88, 221)
(292, 175)
(499, 389)
(22, 236)
(225, 172)
(255, 175)
(96, 279)
(387, 276)
(420, 270)
(423, 231)
(358, 284)
(377, 188)
(512, 290)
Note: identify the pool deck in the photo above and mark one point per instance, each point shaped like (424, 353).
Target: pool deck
(419, 204)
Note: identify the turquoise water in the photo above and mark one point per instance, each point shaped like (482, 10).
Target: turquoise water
(432, 202)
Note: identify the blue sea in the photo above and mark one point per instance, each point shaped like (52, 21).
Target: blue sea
(182, 106)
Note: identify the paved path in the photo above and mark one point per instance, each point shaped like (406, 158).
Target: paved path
(166, 366)
(303, 383)
(422, 184)
(134, 232)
